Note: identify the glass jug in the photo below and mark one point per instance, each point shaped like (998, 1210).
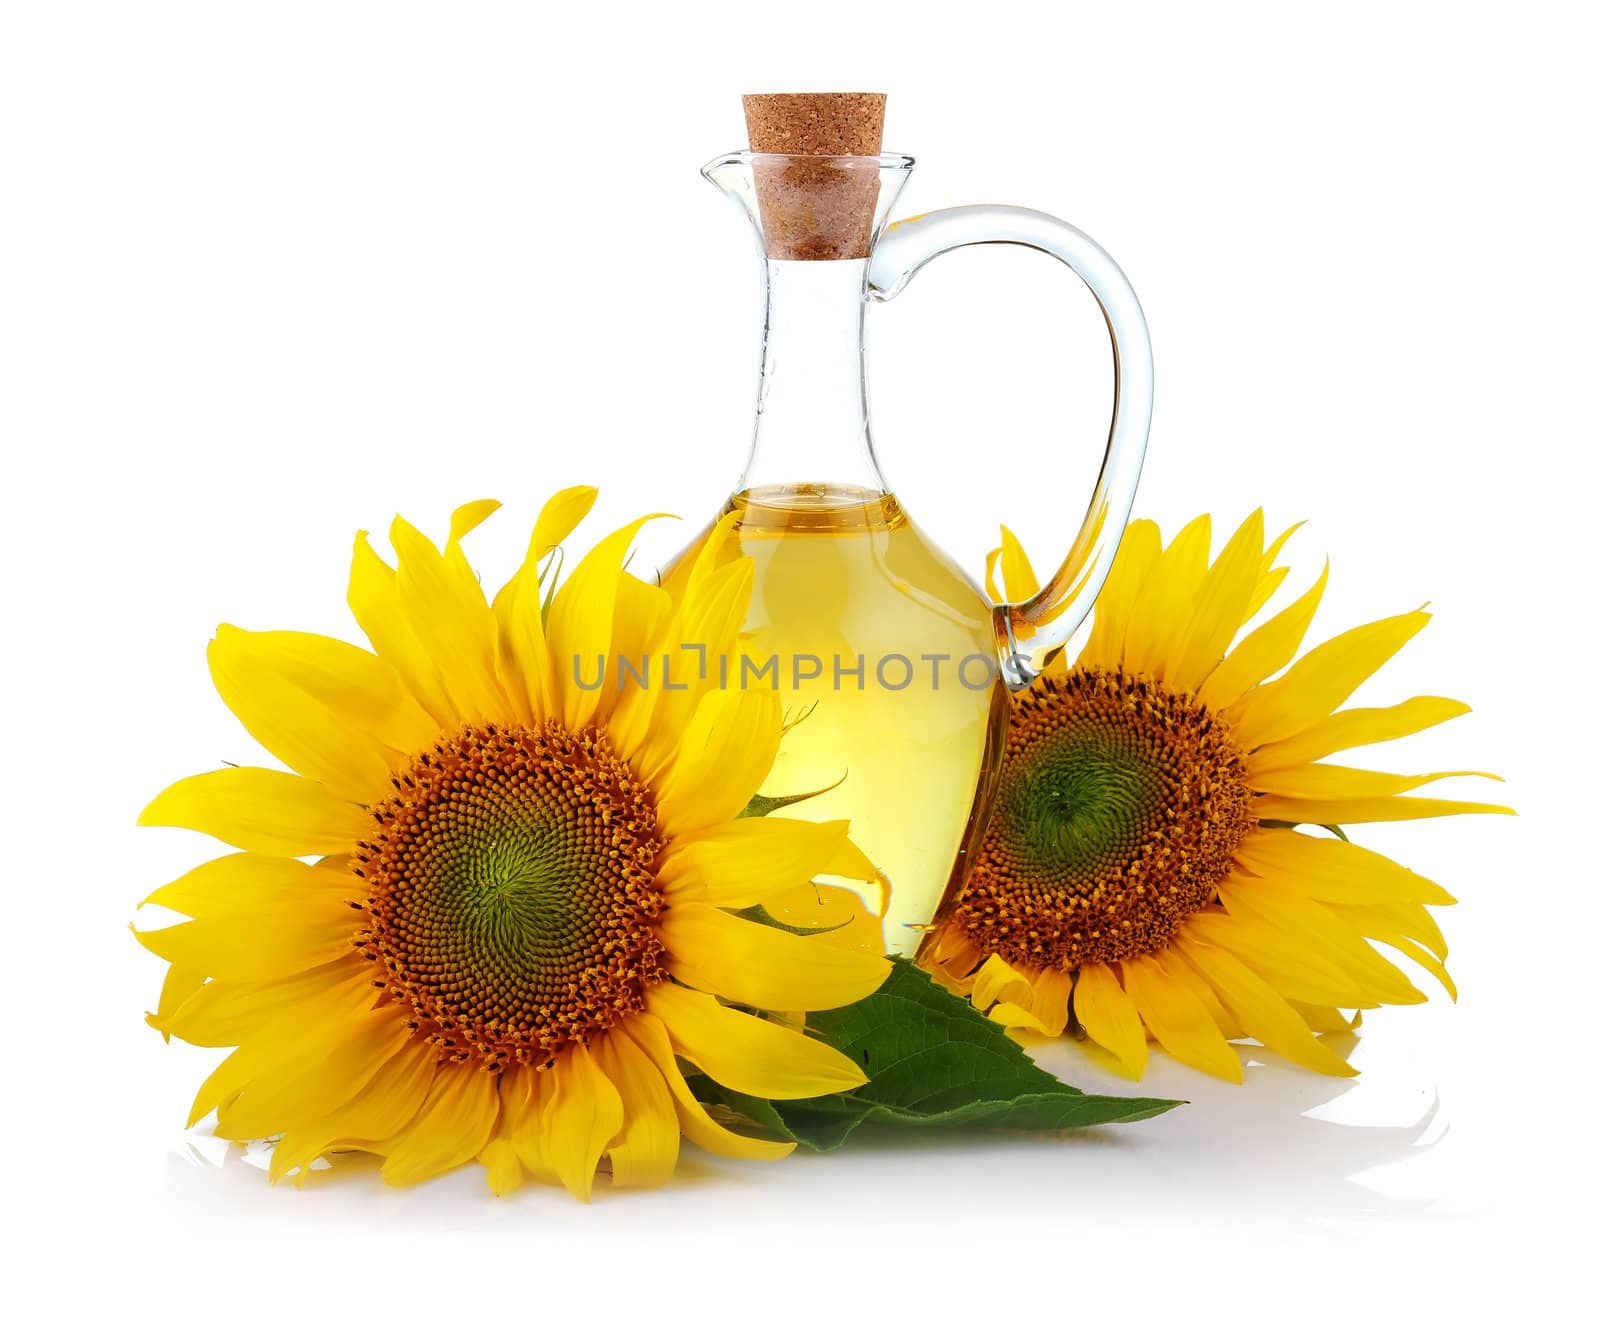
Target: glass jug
(892, 665)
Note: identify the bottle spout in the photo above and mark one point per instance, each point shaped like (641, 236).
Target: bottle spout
(808, 206)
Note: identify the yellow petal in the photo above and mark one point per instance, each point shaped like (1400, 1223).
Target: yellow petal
(1320, 682)
(517, 1124)
(1110, 1018)
(330, 711)
(1271, 577)
(223, 1013)
(1357, 811)
(1051, 1001)
(653, 1040)
(997, 981)
(1164, 603)
(1264, 651)
(1261, 1012)
(1319, 780)
(1319, 929)
(245, 882)
(1178, 1019)
(454, 1123)
(745, 862)
(261, 811)
(1420, 942)
(1334, 870)
(727, 750)
(708, 622)
(1137, 554)
(449, 616)
(284, 1040)
(849, 923)
(1015, 568)
(1357, 727)
(633, 675)
(579, 627)
(524, 663)
(645, 1151)
(762, 966)
(562, 513)
(325, 1080)
(749, 1054)
(180, 986)
(1327, 1019)
(991, 585)
(1218, 610)
(583, 1116)
(256, 945)
(375, 601)
(1182, 973)
(1300, 972)
(380, 1112)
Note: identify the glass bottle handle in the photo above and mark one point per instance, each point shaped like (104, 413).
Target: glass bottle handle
(1064, 600)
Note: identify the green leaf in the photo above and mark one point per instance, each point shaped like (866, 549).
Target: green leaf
(932, 1061)
(755, 913)
(765, 806)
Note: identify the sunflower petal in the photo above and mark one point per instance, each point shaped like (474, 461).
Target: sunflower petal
(1137, 554)
(1261, 1012)
(313, 1088)
(1351, 728)
(1358, 811)
(1319, 780)
(455, 1122)
(1163, 604)
(1264, 650)
(261, 811)
(997, 981)
(1419, 942)
(651, 1036)
(581, 1119)
(644, 1151)
(450, 619)
(380, 1112)
(1219, 608)
(374, 600)
(762, 966)
(249, 946)
(245, 882)
(1321, 681)
(1319, 928)
(1334, 870)
(1110, 1018)
(749, 1054)
(745, 862)
(1178, 1019)
(581, 618)
(328, 710)
(1015, 568)
(727, 750)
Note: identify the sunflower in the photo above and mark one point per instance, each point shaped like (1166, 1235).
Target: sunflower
(1147, 873)
(524, 907)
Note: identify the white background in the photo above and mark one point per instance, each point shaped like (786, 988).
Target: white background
(272, 272)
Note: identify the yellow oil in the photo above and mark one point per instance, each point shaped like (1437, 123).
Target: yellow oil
(845, 579)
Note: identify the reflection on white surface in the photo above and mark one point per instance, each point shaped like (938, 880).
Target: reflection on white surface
(1289, 1151)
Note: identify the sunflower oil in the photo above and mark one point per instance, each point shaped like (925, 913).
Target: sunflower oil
(884, 653)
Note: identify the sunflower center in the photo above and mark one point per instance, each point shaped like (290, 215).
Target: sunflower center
(512, 892)
(1120, 806)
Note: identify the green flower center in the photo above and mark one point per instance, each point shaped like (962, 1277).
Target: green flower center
(513, 892)
(1119, 809)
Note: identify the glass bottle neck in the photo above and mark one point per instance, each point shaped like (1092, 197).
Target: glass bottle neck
(811, 410)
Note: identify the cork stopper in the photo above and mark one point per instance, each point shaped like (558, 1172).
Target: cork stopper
(816, 202)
